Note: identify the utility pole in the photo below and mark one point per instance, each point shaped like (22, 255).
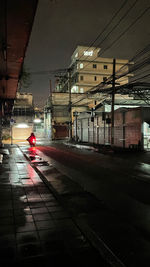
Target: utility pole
(11, 129)
(76, 121)
(112, 103)
(51, 106)
(70, 105)
(50, 93)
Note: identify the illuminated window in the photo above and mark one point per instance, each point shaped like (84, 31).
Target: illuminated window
(81, 65)
(81, 78)
(74, 89)
(94, 66)
(105, 67)
(95, 78)
(76, 55)
(81, 90)
(88, 53)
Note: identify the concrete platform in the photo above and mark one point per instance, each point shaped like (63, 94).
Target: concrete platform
(116, 239)
(35, 228)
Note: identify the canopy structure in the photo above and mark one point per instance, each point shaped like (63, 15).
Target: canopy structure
(16, 20)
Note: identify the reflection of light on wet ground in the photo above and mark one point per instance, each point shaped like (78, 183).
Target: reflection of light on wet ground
(33, 149)
(23, 198)
(144, 167)
(34, 176)
(23, 174)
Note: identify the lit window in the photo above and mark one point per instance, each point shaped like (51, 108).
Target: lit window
(76, 55)
(81, 90)
(105, 67)
(88, 53)
(81, 78)
(94, 66)
(81, 65)
(95, 78)
(74, 89)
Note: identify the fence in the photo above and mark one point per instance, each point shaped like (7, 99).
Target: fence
(99, 132)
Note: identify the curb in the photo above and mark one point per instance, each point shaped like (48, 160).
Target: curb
(93, 148)
(104, 251)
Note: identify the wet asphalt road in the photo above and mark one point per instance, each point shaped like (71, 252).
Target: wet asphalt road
(122, 182)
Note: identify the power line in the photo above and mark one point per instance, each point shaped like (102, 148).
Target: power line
(107, 25)
(117, 24)
(50, 71)
(138, 55)
(121, 34)
(140, 78)
(131, 25)
(136, 67)
(100, 85)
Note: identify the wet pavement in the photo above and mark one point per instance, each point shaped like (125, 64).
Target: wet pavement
(35, 227)
(48, 219)
(113, 235)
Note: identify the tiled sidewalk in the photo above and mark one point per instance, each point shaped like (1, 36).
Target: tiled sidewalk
(34, 228)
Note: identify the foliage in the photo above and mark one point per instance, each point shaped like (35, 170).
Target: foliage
(6, 137)
(25, 79)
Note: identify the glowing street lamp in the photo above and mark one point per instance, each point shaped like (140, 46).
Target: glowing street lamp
(22, 125)
(37, 120)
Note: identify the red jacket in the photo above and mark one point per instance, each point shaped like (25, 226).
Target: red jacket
(32, 139)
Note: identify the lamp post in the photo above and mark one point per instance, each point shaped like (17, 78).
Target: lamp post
(76, 116)
(70, 105)
(113, 102)
(11, 133)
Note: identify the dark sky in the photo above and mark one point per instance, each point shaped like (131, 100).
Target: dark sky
(61, 25)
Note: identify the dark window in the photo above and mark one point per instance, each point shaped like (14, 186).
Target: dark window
(104, 79)
(95, 78)
(105, 67)
(81, 78)
(94, 66)
(76, 79)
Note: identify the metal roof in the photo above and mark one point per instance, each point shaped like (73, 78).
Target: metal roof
(16, 20)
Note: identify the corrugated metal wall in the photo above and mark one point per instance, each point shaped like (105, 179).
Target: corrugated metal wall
(85, 130)
(127, 129)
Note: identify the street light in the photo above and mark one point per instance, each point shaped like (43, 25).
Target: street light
(76, 114)
(37, 120)
(22, 125)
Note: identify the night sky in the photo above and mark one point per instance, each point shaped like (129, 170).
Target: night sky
(61, 25)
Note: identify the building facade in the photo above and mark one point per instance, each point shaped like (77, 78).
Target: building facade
(86, 71)
(131, 128)
(23, 116)
(56, 116)
(89, 70)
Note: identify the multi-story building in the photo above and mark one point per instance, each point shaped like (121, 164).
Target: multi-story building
(38, 128)
(56, 116)
(23, 116)
(86, 71)
(89, 70)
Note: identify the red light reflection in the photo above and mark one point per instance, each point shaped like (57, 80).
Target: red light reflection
(33, 149)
